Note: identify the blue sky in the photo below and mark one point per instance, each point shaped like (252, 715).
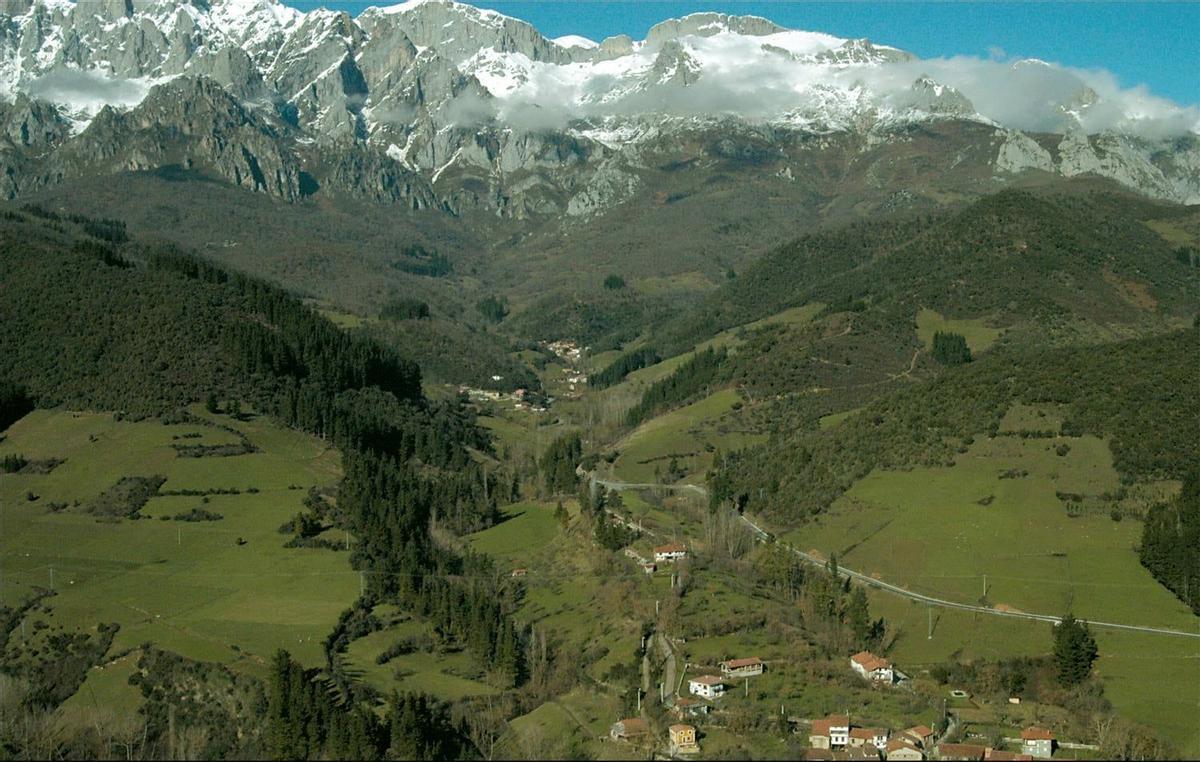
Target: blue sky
(1154, 43)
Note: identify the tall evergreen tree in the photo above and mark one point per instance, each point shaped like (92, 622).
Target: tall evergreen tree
(1074, 651)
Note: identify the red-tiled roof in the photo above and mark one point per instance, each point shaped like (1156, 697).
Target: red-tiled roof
(838, 720)
(1036, 734)
(870, 661)
(634, 726)
(998, 755)
(900, 743)
(968, 750)
(864, 733)
(820, 728)
(921, 731)
(675, 547)
(739, 663)
(708, 680)
(681, 728)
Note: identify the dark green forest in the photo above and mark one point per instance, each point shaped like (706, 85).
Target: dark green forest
(185, 330)
(1139, 393)
(1170, 546)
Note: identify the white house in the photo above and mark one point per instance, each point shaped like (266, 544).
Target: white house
(873, 737)
(672, 552)
(839, 730)
(707, 686)
(1037, 742)
(872, 667)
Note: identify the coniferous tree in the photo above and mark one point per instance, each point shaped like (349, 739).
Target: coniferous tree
(950, 348)
(858, 617)
(1074, 651)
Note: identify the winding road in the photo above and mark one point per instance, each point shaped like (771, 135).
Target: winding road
(763, 535)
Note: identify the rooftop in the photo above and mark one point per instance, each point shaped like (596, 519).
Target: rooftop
(1036, 734)
(739, 663)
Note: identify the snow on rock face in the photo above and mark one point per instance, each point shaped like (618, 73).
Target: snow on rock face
(441, 87)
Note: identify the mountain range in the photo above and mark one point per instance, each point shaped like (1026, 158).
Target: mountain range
(437, 105)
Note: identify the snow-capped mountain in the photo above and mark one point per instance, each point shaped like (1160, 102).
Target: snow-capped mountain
(441, 104)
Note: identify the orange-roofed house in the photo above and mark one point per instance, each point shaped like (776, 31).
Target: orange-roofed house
(902, 749)
(923, 735)
(683, 739)
(672, 552)
(749, 667)
(999, 755)
(631, 729)
(1037, 742)
(818, 737)
(872, 667)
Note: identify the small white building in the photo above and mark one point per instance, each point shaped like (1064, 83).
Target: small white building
(707, 686)
(1037, 742)
(672, 552)
(872, 667)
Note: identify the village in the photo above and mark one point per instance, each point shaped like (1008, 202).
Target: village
(833, 737)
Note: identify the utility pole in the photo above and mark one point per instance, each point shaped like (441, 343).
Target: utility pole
(347, 539)
(171, 731)
(985, 586)
(51, 577)
(929, 611)
(178, 536)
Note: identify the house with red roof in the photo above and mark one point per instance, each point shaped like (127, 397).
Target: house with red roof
(671, 552)
(748, 667)
(1037, 742)
(872, 667)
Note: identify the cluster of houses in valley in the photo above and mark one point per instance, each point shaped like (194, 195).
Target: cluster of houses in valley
(521, 399)
(836, 738)
(681, 737)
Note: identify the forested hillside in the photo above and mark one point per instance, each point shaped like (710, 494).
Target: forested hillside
(148, 330)
(1139, 394)
(1060, 259)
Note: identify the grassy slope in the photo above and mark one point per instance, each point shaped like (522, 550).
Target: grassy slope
(925, 529)
(685, 432)
(185, 586)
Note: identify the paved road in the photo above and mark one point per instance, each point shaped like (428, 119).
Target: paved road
(619, 485)
(763, 535)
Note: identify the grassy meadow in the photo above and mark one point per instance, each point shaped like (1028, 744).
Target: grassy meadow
(188, 587)
(999, 514)
(976, 331)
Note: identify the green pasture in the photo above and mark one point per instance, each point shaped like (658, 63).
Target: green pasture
(449, 676)
(834, 419)
(187, 587)
(978, 334)
(526, 528)
(995, 514)
(688, 432)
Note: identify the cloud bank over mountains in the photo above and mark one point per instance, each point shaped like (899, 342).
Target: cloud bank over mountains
(704, 66)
